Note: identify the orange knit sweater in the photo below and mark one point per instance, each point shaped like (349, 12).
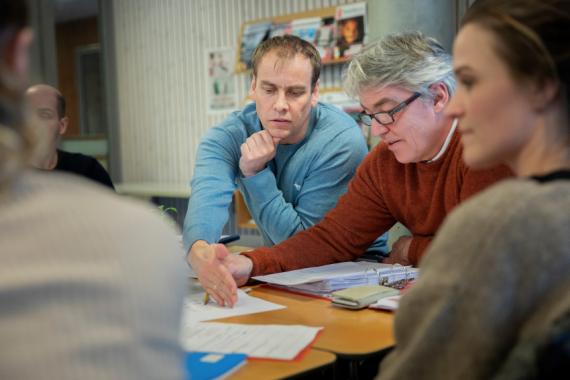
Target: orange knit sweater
(383, 192)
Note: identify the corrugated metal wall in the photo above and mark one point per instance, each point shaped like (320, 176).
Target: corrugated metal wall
(161, 76)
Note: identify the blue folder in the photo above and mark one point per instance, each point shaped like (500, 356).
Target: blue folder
(208, 365)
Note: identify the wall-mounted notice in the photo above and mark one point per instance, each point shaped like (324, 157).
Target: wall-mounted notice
(222, 96)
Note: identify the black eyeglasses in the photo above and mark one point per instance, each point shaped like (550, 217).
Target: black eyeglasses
(387, 117)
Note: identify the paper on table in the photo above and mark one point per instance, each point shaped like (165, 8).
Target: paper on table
(195, 311)
(283, 342)
(387, 303)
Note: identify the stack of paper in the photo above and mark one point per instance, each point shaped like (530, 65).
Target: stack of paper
(328, 278)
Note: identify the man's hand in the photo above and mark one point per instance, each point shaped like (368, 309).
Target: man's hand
(399, 253)
(256, 152)
(240, 267)
(208, 261)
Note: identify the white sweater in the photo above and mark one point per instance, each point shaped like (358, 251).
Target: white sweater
(91, 284)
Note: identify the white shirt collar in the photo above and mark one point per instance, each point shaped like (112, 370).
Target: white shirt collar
(445, 143)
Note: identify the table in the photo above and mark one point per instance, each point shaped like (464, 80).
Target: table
(359, 338)
(346, 332)
(313, 364)
(147, 190)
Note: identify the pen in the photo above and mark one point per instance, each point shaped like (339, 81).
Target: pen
(225, 239)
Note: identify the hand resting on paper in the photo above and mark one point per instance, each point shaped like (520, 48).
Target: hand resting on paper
(399, 253)
(207, 261)
(216, 268)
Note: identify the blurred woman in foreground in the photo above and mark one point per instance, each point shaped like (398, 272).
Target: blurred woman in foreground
(503, 311)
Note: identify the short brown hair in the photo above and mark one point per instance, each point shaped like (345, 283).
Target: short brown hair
(532, 36)
(287, 47)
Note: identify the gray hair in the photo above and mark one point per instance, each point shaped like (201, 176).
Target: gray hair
(410, 60)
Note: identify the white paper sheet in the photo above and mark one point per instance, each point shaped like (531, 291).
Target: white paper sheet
(195, 311)
(387, 303)
(282, 342)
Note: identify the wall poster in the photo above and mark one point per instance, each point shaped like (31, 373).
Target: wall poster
(222, 96)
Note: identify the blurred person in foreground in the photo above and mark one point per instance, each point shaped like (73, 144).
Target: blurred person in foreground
(493, 297)
(47, 106)
(84, 294)
(415, 176)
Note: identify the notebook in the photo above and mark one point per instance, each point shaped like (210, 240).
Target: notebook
(208, 365)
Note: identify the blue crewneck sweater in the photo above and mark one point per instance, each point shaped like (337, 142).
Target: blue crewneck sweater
(292, 193)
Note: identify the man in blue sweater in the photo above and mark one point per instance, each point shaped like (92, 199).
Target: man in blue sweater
(290, 156)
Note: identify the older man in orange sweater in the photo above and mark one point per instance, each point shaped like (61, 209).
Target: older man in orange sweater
(416, 176)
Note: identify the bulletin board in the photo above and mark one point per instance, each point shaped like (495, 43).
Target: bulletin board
(337, 32)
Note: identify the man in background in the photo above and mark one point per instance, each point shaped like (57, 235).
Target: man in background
(47, 106)
(290, 156)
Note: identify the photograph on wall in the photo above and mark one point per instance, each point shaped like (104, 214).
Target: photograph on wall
(222, 95)
(351, 29)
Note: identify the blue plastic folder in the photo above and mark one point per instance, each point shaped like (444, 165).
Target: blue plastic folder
(208, 365)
